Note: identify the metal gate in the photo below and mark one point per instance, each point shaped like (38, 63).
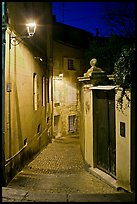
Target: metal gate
(104, 130)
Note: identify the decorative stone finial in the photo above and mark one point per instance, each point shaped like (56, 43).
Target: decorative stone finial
(93, 62)
(92, 68)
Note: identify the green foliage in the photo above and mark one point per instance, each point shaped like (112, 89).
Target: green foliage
(122, 74)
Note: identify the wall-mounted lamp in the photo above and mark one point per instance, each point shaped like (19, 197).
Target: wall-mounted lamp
(38, 58)
(58, 77)
(31, 28)
(61, 75)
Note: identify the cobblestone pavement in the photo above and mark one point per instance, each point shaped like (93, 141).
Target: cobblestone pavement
(59, 174)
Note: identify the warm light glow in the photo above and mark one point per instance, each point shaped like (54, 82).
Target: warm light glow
(31, 28)
(38, 58)
(60, 75)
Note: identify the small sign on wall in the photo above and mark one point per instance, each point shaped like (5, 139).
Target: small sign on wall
(122, 129)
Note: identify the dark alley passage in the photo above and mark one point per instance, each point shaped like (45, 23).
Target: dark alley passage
(59, 174)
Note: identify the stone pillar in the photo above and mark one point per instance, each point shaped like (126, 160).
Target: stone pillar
(93, 77)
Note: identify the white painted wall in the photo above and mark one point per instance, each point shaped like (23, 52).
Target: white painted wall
(123, 145)
(88, 114)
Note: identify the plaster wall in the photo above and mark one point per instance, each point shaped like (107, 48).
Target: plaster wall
(88, 115)
(123, 145)
(26, 129)
(82, 122)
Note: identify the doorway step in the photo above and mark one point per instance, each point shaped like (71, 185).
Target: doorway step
(104, 177)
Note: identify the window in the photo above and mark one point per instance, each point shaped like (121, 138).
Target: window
(71, 64)
(47, 90)
(43, 91)
(71, 123)
(35, 91)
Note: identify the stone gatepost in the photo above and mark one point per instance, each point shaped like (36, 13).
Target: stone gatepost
(93, 77)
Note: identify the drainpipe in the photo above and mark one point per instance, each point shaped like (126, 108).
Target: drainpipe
(4, 26)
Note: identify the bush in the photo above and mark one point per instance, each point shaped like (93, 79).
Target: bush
(122, 74)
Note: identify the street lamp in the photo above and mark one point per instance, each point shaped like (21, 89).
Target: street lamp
(31, 28)
(61, 75)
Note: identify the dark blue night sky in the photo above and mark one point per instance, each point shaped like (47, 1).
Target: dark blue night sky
(91, 15)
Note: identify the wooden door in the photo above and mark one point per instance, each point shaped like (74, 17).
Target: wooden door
(104, 130)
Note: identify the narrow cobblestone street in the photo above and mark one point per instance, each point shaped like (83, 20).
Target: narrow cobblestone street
(59, 174)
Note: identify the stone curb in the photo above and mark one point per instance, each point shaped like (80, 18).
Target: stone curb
(17, 195)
